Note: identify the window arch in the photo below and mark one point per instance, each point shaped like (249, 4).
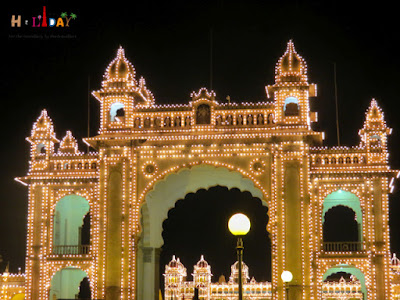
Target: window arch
(346, 199)
(291, 107)
(117, 112)
(69, 216)
(68, 283)
(41, 149)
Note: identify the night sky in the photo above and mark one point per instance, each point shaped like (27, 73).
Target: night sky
(169, 44)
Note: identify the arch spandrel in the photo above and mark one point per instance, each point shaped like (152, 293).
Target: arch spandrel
(166, 191)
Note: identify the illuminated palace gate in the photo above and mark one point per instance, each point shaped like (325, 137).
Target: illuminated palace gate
(148, 156)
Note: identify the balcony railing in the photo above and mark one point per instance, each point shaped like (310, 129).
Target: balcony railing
(342, 246)
(71, 249)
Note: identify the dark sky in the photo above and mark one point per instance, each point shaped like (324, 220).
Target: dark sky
(169, 44)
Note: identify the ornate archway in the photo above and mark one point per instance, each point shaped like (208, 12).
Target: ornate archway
(161, 198)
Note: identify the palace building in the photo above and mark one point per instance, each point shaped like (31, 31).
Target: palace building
(95, 219)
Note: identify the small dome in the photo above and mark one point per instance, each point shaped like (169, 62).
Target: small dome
(202, 263)
(175, 263)
(291, 66)
(120, 68)
(68, 144)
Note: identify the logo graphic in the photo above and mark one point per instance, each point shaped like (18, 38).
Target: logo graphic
(43, 21)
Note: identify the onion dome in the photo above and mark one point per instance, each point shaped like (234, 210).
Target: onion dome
(68, 144)
(202, 263)
(120, 69)
(395, 262)
(175, 263)
(291, 67)
(120, 82)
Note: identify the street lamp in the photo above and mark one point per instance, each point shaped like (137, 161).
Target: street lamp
(239, 225)
(287, 277)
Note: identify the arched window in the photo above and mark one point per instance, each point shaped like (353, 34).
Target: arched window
(68, 283)
(80, 166)
(291, 107)
(326, 160)
(69, 216)
(342, 222)
(117, 112)
(348, 160)
(355, 160)
(86, 165)
(333, 160)
(218, 120)
(94, 165)
(340, 160)
(41, 149)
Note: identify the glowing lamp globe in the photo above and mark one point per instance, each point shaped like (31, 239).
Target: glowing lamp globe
(287, 276)
(239, 224)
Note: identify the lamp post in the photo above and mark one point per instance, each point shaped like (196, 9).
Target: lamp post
(287, 277)
(239, 225)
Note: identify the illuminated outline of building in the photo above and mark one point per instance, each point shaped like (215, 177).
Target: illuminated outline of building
(148, 156)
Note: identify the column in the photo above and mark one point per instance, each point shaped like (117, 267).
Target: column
(292, 203)
(149, 279)
(113, 234)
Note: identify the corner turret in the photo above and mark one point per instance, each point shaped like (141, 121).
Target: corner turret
(291, 90)
(42, 141)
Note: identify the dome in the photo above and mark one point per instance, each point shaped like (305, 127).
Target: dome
(202, 263)
(175, 263)
(120, 69)
(291, 66)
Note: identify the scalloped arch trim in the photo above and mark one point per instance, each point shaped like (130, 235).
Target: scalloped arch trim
(173, 187)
